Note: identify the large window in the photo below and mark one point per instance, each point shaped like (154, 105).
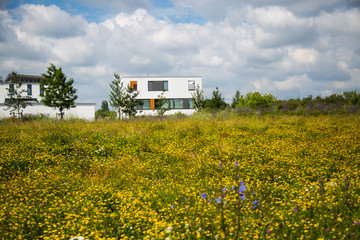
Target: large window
(29, 90)
(11, 89)
(191, 85)
(158, 86)
(191, 103)
(144, 104)
(41, 90)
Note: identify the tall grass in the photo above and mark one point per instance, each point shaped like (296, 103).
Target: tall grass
(210, 176)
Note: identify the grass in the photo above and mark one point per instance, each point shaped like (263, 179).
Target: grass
(215, 177)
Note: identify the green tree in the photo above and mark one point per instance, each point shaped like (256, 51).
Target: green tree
(17, 101)
(217, 101)
(59, 92)
(104, 111)
(198, 98)
(105, 106)
(162, 104)
(123, 99)
(117, 95)
(256, 100)
(236, 99)
(130, 102)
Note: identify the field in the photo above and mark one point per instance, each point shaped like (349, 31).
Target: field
(267, 177)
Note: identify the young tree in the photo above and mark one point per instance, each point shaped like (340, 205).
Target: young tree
(117, 95)
(129, 102)
(217, 101)
(161, 102)
(58, 91)
(16, 101)
(236, 99)
(198, 98)
(123, 99)
(104, 111)
(105, 106)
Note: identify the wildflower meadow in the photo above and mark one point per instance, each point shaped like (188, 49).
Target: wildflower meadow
(219, 177)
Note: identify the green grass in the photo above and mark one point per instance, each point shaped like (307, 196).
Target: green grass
(146, 178)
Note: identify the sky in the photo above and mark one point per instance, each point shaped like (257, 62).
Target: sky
(288, 48)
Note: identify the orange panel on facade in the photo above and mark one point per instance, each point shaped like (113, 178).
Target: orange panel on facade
(152, 104)
(133, 85)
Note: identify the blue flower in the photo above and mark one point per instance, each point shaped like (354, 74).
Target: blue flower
(218, 200)
(242, 197)
(242, 187)
(237, 164)
(172, 206)
(210, 201)
(224, 189)
(203, 195)
(221, 166)
(233, 188)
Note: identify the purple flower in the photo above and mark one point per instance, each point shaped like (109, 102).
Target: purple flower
(184, 199)
(295, 210)
(172, 206)
(327, 230)
(356, 223)
(268, 232)
(203, 195)
(242, 197)
(242, 187)
(237, 164)
(41, 204)
(221, 166)
(218, 200)
(74, 209)
(255, 204)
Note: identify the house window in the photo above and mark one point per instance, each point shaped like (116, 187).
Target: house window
(191, 85)
(158, 86)
(29, 90)
(165, 86)
(191, 103)
(11, 89)
(165, 105)
(144, 104)
(41, 90)
(178, 103)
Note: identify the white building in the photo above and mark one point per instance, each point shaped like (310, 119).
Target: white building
(177, 91)
(31, 84)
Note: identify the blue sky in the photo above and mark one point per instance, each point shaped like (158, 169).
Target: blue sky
(288, 48)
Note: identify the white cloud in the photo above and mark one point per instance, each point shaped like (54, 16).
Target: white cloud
(50, 21)
(250, 47)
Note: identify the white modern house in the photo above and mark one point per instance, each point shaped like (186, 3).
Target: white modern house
(32, 85)
(177, 91)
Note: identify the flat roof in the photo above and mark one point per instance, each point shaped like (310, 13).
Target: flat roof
(161, 76)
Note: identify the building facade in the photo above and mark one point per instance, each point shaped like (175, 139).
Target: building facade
(176, 90)
(33, 91)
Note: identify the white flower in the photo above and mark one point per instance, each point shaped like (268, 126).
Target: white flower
(78, 238)
(168, 229)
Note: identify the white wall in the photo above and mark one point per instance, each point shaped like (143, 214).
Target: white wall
(81, 110)
(177, 88)
(35, 91)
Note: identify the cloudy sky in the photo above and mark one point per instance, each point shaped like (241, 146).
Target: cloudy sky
(289, 48)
